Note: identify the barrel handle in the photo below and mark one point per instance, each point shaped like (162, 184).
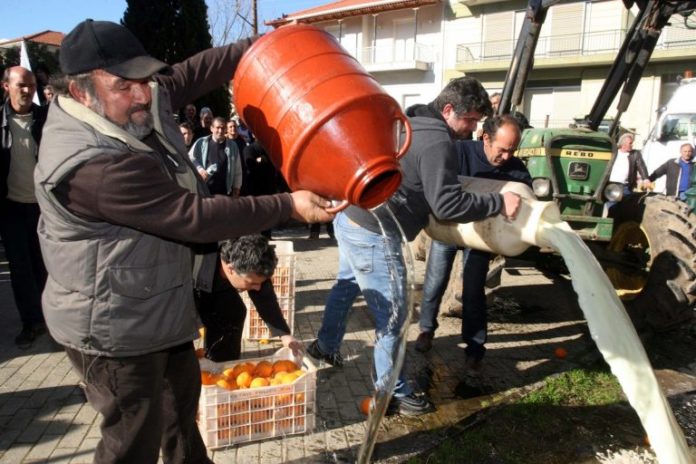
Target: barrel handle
(407, 141)
(340, 207)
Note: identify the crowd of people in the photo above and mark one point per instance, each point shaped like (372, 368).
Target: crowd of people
(125, 228)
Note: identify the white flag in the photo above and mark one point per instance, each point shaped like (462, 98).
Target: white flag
(24, 62)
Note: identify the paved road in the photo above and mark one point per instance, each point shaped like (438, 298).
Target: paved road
(44, 417)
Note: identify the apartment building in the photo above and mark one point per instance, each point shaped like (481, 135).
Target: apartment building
(413, 47)
(577, 46)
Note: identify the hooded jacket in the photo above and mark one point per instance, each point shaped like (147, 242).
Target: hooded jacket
(429, 181)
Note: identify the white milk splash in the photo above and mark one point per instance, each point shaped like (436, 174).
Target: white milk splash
(617, 340)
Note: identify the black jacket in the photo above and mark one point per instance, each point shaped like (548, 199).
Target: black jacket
(636, 166)
(39, 118)
(672, 169)
(473, 163)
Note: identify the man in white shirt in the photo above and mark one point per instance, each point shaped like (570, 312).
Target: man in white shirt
(628, 165)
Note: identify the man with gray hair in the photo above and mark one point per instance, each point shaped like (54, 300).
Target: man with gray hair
(129, 230)
(628, 165)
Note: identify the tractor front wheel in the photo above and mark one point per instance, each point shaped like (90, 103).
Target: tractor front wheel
(658, 241)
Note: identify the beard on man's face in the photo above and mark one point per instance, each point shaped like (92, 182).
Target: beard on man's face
(140, 129)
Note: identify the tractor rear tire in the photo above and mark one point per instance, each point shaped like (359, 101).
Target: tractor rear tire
(668, 296)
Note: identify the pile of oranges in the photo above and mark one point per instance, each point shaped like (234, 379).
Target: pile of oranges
(235, 413)
(251, 375)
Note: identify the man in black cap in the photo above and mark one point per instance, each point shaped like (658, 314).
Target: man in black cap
(124, 227)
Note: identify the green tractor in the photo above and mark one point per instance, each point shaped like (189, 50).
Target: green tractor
(646, 242)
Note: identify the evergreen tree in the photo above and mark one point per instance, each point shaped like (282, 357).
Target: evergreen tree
(173, 30)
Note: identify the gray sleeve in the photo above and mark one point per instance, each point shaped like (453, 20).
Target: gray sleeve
(438, 172)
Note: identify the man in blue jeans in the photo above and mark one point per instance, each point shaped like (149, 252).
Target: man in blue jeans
(493, 158)
(372, 264)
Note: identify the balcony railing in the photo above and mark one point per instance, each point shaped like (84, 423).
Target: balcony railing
(395, 54)
(584, 44)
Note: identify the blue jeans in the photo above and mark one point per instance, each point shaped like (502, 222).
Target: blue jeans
(474, 311)
(437, 272)
(365, 265)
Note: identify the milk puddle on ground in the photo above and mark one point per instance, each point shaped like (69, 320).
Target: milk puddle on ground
(617, 340)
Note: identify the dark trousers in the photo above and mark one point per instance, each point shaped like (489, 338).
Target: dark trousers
(223, 314)
(18, 222)
(475, 314)
(147, 402)
(474, 311)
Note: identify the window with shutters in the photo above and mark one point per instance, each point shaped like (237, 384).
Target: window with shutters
(497, 32)
(552, 106)
(603, 32)
(566, 23)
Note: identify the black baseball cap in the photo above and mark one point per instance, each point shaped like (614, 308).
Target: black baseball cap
(105, 45)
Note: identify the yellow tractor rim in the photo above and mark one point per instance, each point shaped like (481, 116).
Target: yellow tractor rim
(628, 238)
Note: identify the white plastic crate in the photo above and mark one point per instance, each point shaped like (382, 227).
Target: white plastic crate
(229, 417)
(284, 285)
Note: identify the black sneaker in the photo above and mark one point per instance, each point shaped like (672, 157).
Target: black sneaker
(473, 366)
(424, 341)
(334, 359)
(25, 338)
(410, 405)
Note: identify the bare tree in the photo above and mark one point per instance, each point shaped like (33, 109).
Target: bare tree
(230, 20)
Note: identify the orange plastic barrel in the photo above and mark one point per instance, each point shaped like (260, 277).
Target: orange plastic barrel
(327, 125)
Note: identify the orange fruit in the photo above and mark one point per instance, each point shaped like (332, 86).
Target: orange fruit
(244, 380)
(288, 378)
(208, 378)
(560, 352)
(259, 382)
(366, 405)
(229, 372)
(263, 369)
(243, 367)
(284, 366)
(274, 382)
(200, 353)
(226, 384)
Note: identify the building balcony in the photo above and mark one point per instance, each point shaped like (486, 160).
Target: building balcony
(566, 50)
(405, 57)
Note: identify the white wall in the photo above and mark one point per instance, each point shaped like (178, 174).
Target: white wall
(394, 31)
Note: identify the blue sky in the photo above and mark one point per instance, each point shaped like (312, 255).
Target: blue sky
(24, 17)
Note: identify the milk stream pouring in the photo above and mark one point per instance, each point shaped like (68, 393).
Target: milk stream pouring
(539, 223)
